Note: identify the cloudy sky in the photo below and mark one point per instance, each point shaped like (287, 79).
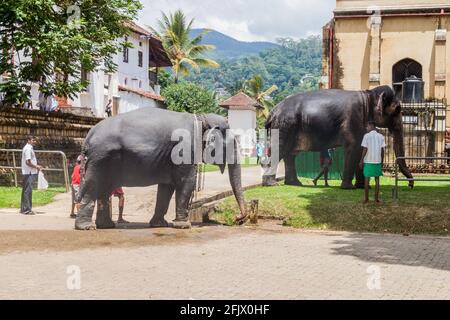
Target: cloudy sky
(248, 20)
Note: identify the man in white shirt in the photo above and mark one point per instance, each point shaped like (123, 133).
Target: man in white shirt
(372, 159)
(30, 169)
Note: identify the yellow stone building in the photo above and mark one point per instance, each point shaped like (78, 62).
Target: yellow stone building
(370, 43)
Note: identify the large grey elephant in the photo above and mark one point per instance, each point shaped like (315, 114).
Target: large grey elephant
(324, 119)
(136, 149)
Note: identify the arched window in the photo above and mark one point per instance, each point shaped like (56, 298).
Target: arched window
(402, 70)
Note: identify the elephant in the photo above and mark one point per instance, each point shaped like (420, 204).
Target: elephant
(325, 119)
(136, 149)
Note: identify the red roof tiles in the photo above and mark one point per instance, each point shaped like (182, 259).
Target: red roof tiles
(240, 101)
(142, 93)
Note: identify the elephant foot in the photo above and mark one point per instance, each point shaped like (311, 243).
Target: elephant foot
(269, 181)
(107, 225)
(241, 219)
(293, 182)
(359, 185)
(347, 186)
(84, 225)
(179, 224)
(159, 223)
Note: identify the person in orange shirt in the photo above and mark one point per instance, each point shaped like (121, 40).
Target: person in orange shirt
(76, 181)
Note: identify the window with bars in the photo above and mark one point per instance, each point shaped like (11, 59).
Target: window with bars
(126, 52)
(403, 70)
(140, 58)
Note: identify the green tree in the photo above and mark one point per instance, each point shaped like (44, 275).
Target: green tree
(285, 66)
(184, 52)
(255, 89)
(57, 39)
(189, 97)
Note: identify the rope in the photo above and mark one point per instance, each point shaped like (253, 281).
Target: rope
(199, 167)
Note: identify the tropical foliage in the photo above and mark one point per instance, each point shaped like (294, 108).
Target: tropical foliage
(295, 66)
(52, 41)
(255, 89)
(189, 97)
(186, 53)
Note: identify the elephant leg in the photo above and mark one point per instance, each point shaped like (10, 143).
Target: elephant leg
(104, 220)
(359, 178)
(165, 193)
(351, 163)
(84, 216)
(182, 197)
(269, 176)
(291, 178)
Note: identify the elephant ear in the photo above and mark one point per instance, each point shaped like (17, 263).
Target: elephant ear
(214, 140)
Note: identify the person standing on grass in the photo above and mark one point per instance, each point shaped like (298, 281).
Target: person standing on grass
(372, 160)
(259, 152)
(119, 193)
(30, 169)
(326, 160)
(76, 181)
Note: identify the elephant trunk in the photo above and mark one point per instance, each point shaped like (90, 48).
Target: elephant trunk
(234, 172)
(399, 149)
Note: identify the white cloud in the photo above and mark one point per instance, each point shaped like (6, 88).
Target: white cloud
(248, 20)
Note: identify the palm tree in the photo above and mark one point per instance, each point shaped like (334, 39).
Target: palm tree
(255, 89)
(183, 51)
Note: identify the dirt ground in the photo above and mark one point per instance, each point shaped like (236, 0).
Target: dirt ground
(52, 229)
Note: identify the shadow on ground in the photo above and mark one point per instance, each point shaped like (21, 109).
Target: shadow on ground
(423, 210)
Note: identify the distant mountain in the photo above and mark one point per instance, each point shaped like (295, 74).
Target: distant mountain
(230, 48)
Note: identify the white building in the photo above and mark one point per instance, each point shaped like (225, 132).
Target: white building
(132, 86)
(242, 120)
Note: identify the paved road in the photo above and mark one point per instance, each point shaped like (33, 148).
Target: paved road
(40, 258)
(236, 263)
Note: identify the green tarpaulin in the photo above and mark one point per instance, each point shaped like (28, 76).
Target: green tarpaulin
(308, 164)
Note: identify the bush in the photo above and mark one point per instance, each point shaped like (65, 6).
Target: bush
(188, 97)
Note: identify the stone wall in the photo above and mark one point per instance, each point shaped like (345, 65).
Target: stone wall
(54, 131)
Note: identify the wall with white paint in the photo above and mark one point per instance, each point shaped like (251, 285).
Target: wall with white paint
(130, 101)
(243, 125)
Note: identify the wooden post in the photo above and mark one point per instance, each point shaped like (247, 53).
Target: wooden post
(254, 211)
(15, 171)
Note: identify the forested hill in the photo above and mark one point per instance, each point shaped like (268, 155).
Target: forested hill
(294, 66)
(230, 48)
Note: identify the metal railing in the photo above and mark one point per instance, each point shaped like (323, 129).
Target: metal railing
(396, 172)
(64, 168)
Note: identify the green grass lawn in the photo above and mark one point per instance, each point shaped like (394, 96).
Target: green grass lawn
(245, 163)
(424, 210)
(10, 197)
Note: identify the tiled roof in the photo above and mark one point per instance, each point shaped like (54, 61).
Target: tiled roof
(138, 29)
(142, 93)
(240, 101)
(158, 56)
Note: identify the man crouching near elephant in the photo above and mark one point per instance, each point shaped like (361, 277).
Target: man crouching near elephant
(372, 160)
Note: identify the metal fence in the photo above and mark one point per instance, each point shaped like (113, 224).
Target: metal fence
(424, 130)
(12, 159)
(417, 179)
